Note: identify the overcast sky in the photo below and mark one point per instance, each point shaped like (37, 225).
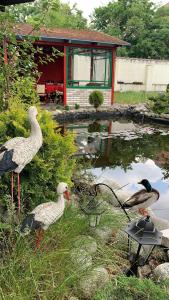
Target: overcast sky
(87, 6)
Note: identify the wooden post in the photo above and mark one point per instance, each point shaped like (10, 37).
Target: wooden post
(64, 81)
(91, 66)
(113, 73)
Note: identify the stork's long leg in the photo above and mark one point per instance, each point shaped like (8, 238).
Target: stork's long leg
(19, 194)
(39, 236)
(12, 186)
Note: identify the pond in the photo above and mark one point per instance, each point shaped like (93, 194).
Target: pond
(126, 152)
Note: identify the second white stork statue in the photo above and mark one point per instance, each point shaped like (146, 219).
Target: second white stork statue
(45, 214)
(16, 153)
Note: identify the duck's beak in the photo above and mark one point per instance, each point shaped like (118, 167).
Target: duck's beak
(67, 195)
(139, 182)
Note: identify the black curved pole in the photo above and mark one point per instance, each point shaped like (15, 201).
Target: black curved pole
(115, 197)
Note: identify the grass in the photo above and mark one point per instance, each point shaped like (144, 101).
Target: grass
(133, 97)
(132, 288)
(48, 274)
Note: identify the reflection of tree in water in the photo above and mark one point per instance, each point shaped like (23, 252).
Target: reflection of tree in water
(94, 127)
(162, 160)
(124, 152)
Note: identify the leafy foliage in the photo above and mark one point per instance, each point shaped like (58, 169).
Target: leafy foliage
(96, 99)
(18, 71)
(138, 22)
(51, 13)
(52, 164)
(161, 102)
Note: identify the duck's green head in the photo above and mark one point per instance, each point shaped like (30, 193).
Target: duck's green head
(146, 184)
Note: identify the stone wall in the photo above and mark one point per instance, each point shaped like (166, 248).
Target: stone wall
(81, 96)
(134, 74)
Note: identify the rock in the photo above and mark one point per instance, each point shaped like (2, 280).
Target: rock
(89, 284)
(80, 258)
(104, 233)
(161, 272)
(165, 237)
(144, 271)
(86, 243)
(141, 108)
(153, 263)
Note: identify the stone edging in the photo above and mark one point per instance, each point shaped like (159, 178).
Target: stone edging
(139, 113)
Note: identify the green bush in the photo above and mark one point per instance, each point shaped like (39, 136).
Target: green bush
(52, 164)
(96, 99)
(67, 108)
(161, 102)
(23, 89)
(77, 106)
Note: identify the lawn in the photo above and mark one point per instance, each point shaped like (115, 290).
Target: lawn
(48, 274)
(133, 97)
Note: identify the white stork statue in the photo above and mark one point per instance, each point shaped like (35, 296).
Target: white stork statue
(45, 214)
(16, 153)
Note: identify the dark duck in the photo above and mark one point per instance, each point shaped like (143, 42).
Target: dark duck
(142, 199)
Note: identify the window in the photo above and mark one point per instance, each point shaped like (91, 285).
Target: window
(89, 68)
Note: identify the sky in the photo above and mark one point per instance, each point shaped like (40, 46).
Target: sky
(87, 6)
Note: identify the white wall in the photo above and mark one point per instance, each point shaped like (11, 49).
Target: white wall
(133, 74)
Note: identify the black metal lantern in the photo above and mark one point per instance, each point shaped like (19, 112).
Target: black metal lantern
(146, 237)
(93, 210)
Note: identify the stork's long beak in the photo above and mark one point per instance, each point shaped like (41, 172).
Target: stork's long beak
(67, 195)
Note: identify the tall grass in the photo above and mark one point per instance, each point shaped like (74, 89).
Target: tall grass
(133, 288)
(48, 274)
(133, 97)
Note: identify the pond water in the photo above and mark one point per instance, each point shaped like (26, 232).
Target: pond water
(126, 152)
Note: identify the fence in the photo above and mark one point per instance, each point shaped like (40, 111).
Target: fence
(133, 74)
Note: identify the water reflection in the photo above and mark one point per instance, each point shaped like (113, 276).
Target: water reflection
(126, 152)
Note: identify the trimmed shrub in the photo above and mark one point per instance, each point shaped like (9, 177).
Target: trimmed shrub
(96, 99)
(161, 102)
(52, 164)
(67, 108)
(77, 106)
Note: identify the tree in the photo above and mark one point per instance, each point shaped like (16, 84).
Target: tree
(51, 13)
(20, 72)
(139, 23)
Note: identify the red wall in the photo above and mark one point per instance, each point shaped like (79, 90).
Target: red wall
(53, 71)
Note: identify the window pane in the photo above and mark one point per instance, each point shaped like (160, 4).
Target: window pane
(89, 67)
(82, 68)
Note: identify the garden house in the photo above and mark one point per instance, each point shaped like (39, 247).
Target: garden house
(86, 62)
